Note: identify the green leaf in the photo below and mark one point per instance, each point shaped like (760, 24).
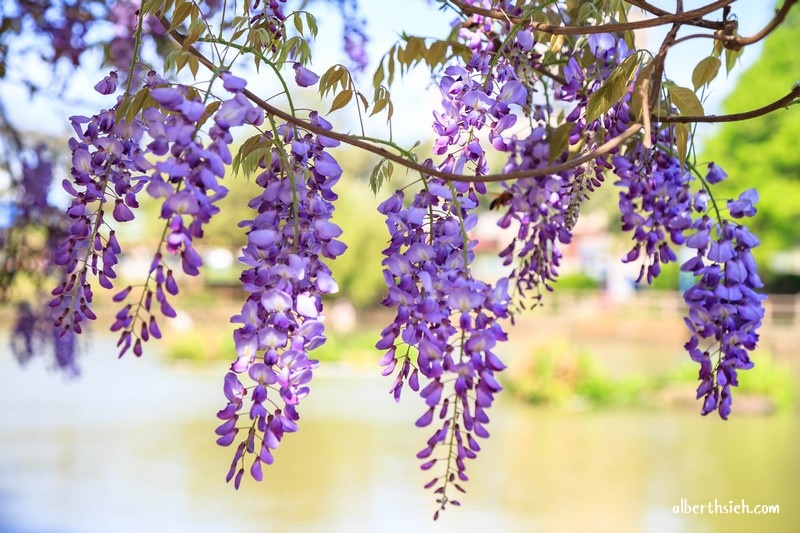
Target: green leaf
(685, 100)
(364, 101)
(196, 29)
(380, 174)
(180, 14)
(636, 96)
(612, 91)
(682, 143)
(210, 110)
(436, 53)
(377, 79)
(170, 60)
(331, 77)
(135, 106)
(194, 66)
(312, 24)
(730, 58)
(559, 140)
(391, 66)
(298, 23)
(705, 71)
(341, 100)
(243, 152)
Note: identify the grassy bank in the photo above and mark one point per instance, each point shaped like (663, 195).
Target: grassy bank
(556, 375)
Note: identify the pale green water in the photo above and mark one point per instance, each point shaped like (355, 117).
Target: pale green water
(130, 447)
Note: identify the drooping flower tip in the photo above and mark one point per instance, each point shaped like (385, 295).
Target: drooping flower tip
(232, 83)
(745, 206)
(525, 40)
(715, 174)
(108, 84)
(304, 77)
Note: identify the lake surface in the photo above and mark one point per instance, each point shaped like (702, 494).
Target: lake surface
(130, 447)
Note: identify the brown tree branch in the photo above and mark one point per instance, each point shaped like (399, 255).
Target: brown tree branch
(657, 11)
(413, 165)
(786, 101)
(658, 62)
(736, 43)
(687, 17)
(700, 36)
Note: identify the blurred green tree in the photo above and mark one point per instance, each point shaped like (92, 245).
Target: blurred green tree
(763, 152)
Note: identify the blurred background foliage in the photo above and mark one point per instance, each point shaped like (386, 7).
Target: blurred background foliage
(556, 374)
(764, 153)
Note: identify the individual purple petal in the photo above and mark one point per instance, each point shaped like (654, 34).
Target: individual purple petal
(232, 83)
(107, 85)
(304, 77)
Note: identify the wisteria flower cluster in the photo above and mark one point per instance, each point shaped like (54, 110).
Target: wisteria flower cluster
(188, 179)
(486, 91)
(447, 325)
(723, 303)
(541, 211)
(282, 320)
(656, 206)
(657, 202)
(28, 241)
(659, 207)
(107, 168)
(110, 166)
(545, 209)
(563, 110)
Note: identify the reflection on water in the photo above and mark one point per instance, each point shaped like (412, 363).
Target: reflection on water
(130, 447)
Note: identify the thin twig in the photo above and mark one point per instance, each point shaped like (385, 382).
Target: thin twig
(737, 43)
(786, 101)
(544, 72)
(658, 62)
(657, 11)
(687, 17)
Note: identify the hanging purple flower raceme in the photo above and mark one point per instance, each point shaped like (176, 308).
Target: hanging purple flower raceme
(541, 211)
(485, 92)
(34, 334)
(656, 205)
(723, 303)
(447, 325)
(282, 320)
(187, 178)
(107, 170)
(474, 96)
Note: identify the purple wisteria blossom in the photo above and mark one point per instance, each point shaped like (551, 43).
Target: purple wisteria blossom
(29, 242)
(304, 77)
(281, 320)
(443, 337)
(539, 209)
(723, 305)
(108, 168)
(656, 206)
(659, 207)
(188, 179)
(107, 85)
(33, 334)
